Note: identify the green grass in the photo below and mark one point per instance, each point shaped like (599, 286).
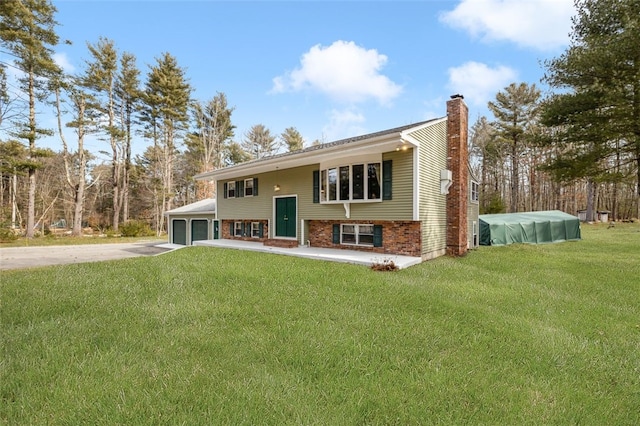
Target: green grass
(67, 240)
(523, 334)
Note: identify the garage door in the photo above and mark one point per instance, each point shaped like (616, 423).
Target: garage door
(199, 230)
(180, 232)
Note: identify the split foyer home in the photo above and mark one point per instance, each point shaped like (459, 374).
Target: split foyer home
(402, 191)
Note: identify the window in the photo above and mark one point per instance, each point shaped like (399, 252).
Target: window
(373, 181)
(323, 185)
(237, 229)
(358, 181)
(475, 191)
(248, 187)
(333, 179)
(345, 183)
(231, 189)
(360, 235)
(255, 230)
(349, 183)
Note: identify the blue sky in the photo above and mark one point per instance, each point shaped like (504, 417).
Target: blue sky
(330, 69)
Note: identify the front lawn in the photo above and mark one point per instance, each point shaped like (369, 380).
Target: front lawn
(523, 334)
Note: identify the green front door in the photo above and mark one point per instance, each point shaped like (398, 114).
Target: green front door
(180, 232)
(216, 229)
(286, 217)
(199, 230)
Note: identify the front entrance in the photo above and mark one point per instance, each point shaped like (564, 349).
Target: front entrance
(216, 229)
(286, 217)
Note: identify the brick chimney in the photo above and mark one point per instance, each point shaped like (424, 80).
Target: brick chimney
(457, 157)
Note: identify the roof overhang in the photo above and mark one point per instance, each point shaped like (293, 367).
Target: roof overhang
(372, 145)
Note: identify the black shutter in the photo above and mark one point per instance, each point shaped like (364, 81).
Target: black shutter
(225, 190)
(316, 186)
(261, 230)
(255, 186)
(231, 229)
(386, 180)
(336, 233)
(377, 235)
(239, 188)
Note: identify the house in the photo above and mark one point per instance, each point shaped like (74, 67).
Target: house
(193, 222)
(403, 191)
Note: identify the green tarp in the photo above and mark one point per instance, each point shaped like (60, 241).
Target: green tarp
(532, 227)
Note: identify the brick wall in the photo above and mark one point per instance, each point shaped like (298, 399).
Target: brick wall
(457, 158)
(398, 237)
(226, 234)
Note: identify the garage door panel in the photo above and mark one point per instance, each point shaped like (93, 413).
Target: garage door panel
(199, 230)
(180, 232)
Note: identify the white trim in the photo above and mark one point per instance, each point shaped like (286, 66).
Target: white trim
(244, 190)
(350, 161)
(171, 236)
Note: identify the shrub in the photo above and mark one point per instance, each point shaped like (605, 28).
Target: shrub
(7, 234)
(136, 228)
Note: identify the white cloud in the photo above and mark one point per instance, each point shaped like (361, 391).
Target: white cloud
(63, 62)
(343, 124)
(478, 82)
(540, 24)
(343, 71)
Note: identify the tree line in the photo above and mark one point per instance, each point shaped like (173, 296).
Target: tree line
(577, 147)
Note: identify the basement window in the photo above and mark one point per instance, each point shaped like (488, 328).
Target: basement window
(356, 234)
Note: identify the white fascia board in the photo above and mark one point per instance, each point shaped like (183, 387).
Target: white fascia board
(385, 143)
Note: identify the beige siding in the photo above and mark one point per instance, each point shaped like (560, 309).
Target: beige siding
(433, 208)
(473, 211)
(299, 181)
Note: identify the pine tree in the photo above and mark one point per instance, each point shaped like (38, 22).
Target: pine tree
(167, 98)
(515, 109)
(259, 142)
(127, 91)
(101, 78)
(595, 119)
(213, 131)
(27, 30)
(292, 138)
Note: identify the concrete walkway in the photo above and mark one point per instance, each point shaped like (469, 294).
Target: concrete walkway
(332, 255)
(31, 257)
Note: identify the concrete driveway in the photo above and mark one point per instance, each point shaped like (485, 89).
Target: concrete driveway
(30, 257)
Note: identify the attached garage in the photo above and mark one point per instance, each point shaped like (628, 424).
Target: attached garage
(193, 222)
(531, 227)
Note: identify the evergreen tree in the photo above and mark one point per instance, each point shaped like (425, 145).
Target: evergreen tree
(167, 98)
(207, 145)
(235, 154)
(27, 30)
(516, 110)
(127, 91)
(259, 142)
(292, 138)
(596, 116)
(101, 78)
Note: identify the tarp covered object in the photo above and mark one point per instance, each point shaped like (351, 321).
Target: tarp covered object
(532, 227)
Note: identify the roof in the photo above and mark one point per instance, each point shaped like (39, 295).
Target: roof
(385, 139)
(207, 205)
(542, 216)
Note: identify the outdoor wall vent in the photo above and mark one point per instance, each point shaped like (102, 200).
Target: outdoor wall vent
(446, 179)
